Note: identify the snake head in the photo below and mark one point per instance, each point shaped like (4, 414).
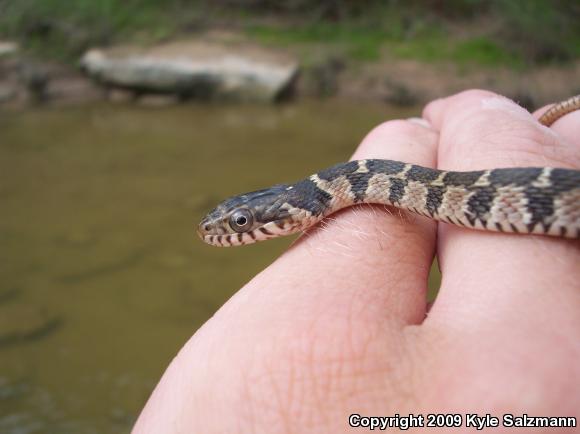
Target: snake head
(250, 217)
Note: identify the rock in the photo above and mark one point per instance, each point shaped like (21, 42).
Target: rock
(200, 70)
(8, 48)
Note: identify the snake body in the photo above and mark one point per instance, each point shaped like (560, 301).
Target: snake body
(529, 200)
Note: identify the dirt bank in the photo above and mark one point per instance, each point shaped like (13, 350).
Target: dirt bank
(25, 81)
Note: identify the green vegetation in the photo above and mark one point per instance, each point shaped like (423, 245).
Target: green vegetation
(482, 32)
(356, 41)
(490, 33)
(370, 43)
(479, 50)
(63, 29)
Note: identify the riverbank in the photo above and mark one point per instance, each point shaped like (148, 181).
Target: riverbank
(156, 53)
(26, 80)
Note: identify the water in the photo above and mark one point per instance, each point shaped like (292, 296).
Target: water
(102, 278)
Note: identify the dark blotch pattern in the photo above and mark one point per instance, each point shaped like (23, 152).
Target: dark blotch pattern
(397, 190)
(359, 182)
(516, 176)
(480, 203)
(334, 172)
(434, 198)
(540, 203)
(462, 178)
(422, 174)
(306, 195)
(388, 167)
(565, 179)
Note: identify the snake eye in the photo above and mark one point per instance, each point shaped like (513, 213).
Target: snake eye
(241, 220)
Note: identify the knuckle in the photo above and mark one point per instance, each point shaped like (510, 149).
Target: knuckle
(475, 94)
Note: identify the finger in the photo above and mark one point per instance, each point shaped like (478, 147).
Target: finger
(567, 127)
(486, 275)
(381, 252)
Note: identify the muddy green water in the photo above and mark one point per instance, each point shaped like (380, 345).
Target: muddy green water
(102, 278)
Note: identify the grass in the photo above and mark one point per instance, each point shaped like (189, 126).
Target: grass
(357, 42)
(479, 51)
(368, 44)
(483, 51)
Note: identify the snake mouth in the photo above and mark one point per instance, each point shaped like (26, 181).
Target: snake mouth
(269, 230)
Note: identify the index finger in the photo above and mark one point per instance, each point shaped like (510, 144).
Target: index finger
(376, 257)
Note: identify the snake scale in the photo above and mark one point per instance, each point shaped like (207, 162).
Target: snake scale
(524, 200)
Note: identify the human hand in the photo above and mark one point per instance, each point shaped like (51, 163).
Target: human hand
(339, 324)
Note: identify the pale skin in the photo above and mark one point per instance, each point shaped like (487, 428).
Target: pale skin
(339, 324)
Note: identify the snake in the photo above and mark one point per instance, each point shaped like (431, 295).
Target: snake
(517, 200)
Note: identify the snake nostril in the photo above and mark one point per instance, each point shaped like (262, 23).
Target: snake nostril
(204, 228)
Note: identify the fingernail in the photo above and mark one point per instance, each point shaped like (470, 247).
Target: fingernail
(420, 121)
